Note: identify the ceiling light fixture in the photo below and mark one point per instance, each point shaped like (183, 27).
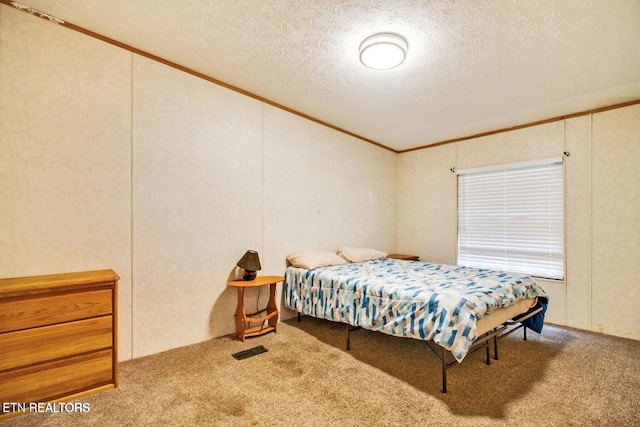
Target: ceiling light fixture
(383, 51)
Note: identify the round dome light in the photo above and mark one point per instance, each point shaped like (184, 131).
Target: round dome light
(383, 51)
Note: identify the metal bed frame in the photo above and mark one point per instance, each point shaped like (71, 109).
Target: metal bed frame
(482, 341)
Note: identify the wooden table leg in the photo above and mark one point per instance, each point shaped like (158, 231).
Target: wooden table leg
(272, 306)
(240, 315)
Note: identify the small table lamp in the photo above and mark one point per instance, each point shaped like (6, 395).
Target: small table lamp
(250, 263)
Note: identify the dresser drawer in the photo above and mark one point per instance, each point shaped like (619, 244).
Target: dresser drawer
(30, 346)
(49, 309)
(53, 379)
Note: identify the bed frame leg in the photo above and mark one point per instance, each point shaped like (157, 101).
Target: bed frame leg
(487, 351)
(525, 332)
(299, 317)
(444, 370)
(495, 347)
(348, 339)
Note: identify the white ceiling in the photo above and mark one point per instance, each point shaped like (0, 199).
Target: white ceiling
(473, 66)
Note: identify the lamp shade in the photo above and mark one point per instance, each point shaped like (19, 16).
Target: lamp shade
(383, 51)
(250, 263)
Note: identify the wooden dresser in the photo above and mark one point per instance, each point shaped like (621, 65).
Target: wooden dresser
(58, 337)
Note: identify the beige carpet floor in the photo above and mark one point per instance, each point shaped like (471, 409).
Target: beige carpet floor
(562, 377)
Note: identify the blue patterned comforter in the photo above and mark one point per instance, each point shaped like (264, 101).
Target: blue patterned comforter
(407, 298)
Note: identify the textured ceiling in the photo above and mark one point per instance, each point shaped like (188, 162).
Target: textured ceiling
(473, 66)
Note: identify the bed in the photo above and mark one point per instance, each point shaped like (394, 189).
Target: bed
(457, 308)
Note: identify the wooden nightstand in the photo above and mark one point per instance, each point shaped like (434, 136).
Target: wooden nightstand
(268, 323)
(405, 257)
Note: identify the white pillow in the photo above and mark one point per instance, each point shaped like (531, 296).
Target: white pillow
(312, 260)
(356, 254)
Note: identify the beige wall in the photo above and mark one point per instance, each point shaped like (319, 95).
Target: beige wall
(616, 222)
(111, 160)
(197, 203)
(427, 200)
(65, 163)
(602, 208)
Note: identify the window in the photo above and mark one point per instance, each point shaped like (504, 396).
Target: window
(511, 218)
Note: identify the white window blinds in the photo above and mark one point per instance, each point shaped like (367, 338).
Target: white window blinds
(511, 218)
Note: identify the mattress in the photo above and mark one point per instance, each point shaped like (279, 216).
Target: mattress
(504, 314)
(450, 305)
